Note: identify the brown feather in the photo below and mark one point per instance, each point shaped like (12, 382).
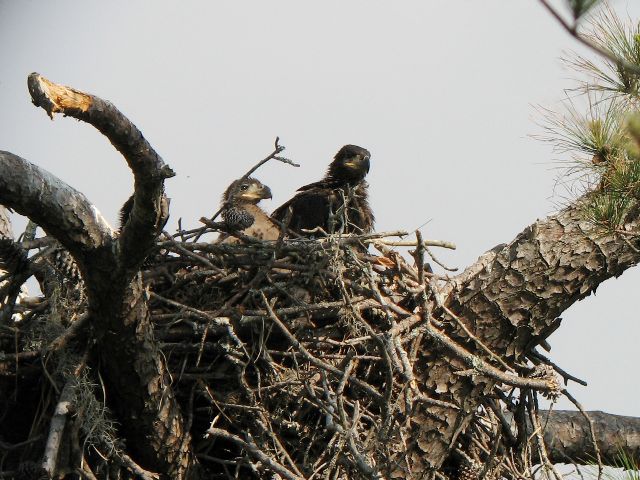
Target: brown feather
(263, 227)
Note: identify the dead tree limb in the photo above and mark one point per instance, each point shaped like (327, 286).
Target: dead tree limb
(63, 410)
(254, 452)
(567, 437)
(60, 210)
(150, 207)
(134, 372)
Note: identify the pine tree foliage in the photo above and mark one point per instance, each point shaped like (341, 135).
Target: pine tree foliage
(604, 140)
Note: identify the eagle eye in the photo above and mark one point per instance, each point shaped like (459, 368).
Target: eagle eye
(244, 186)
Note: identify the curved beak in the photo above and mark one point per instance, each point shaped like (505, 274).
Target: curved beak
(365, 163)
(358, 163)
(265, 192)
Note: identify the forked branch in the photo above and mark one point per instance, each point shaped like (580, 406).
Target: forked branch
(149, 210)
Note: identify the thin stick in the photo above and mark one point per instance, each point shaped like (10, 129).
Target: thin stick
(414, 243)
(592, 431)
(277, 149)
(567, 376)
(435, 259)
(479, 366)
(419, 257)
(255, 452)
(137, 469)
(461, 324)
(313, 360)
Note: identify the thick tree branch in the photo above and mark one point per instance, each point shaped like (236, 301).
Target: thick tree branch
(150, 208)
(61, 211)
(511, 300)
(567, 437)
(134, 371)
(527, 285)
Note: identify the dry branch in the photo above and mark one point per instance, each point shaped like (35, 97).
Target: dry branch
(255, 452)
(61, 211)
(63, 410)
(133, 368)
(150, 208)
(568, 439)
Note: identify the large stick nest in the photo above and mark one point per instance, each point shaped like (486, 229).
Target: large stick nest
(293, 354)
(291, 359)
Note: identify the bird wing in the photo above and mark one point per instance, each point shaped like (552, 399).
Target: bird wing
(324, 184)
(310, 208)
(262, 228)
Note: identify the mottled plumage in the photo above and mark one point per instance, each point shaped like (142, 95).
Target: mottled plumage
(241, 213)
(237, 218)
(322, 204)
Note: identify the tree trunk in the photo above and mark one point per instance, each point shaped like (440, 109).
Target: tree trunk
(136, 379)
(510, 300)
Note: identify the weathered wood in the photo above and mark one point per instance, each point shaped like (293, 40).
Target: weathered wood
(60, 210)
(150, 206)
(134, 371)
(567, 437)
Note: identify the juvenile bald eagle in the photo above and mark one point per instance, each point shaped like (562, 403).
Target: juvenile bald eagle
(240, 211)
(322, 204)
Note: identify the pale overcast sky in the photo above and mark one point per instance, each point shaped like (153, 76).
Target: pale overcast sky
(441, 92)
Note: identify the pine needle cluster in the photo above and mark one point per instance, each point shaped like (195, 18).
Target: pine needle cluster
(604, 142)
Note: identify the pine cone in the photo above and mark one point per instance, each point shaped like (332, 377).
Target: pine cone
(468, 472)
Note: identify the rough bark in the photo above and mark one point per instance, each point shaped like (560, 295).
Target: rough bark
(134, 372)
(67, 214)
(568, 439)
(510, 300)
